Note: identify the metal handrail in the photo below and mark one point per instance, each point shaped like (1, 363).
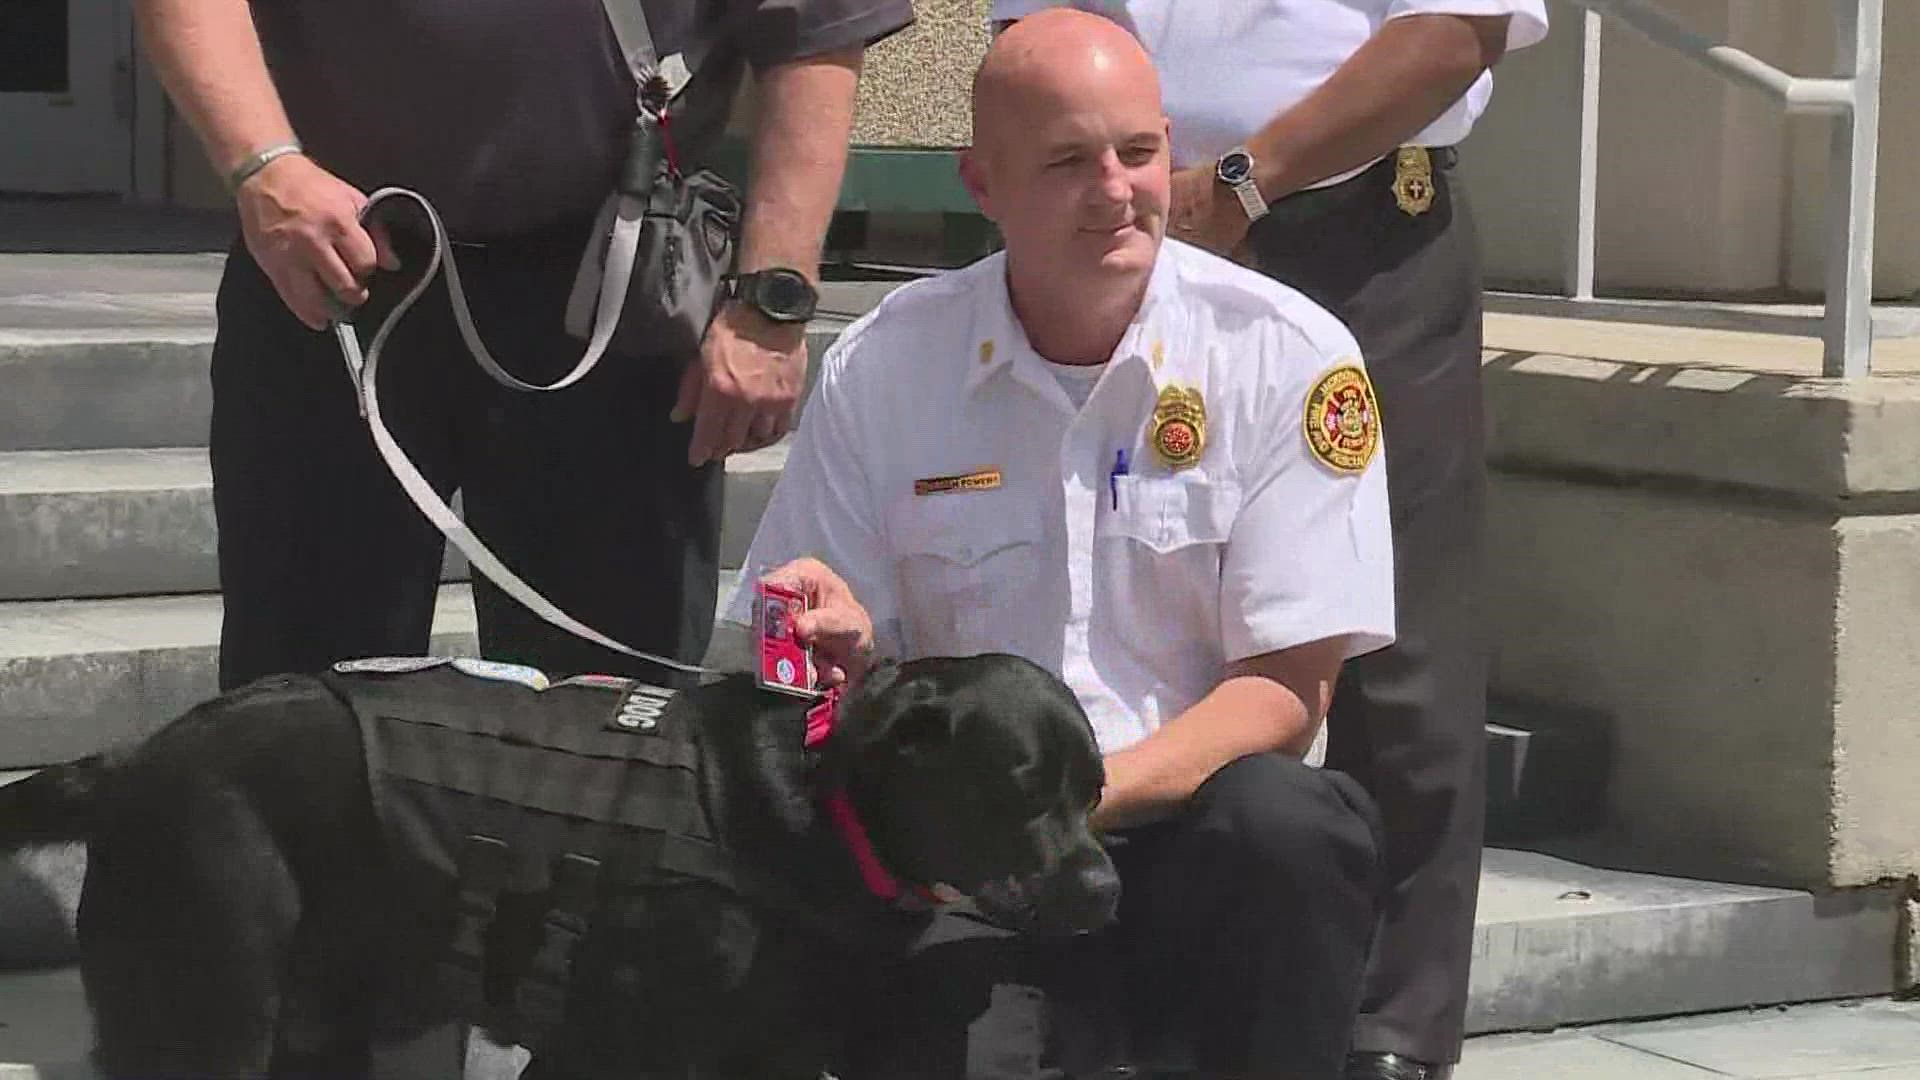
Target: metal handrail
(1853, 98)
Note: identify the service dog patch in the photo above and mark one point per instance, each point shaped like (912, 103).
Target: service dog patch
(641, 709)
(1343, 419)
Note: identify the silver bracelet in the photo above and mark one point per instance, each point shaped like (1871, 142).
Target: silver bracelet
(245, 170)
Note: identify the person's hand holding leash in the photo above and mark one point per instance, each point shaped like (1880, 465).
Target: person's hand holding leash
(302, 225)
(835, 626)
(741, 395)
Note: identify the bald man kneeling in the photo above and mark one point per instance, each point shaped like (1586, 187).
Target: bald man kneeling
(1089, 451)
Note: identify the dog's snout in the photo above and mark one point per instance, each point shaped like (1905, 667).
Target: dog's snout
(1075, 897)
(1091, 901)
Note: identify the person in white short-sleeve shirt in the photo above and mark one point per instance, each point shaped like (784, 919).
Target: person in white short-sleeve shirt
(977, 497)
(1318, 140)
(1161, 476)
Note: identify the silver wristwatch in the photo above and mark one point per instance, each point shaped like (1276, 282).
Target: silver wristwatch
(1235, 169)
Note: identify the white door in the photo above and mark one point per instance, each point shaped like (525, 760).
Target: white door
(66, 108)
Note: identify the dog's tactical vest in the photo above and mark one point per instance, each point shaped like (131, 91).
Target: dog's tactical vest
(483, 776)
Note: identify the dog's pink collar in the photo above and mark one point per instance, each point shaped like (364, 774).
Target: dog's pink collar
(846, 820)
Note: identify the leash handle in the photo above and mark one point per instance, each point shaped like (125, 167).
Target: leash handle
(365, 371)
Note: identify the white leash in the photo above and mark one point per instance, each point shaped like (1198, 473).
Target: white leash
(365, 375)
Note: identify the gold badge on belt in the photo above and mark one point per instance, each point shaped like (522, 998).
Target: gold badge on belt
(1179, 432)
(1343, 419)
(1413, 180)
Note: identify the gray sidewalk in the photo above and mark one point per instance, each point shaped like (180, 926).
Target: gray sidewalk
(43, 1021)
(1874, 1039)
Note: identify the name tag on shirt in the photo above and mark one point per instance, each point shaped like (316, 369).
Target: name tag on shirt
(983, 480)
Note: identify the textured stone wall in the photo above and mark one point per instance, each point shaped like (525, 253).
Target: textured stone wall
(915, 90)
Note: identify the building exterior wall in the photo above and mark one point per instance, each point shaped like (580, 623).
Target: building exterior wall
(1705, 188)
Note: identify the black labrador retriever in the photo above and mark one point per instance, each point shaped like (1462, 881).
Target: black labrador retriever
(633, 882)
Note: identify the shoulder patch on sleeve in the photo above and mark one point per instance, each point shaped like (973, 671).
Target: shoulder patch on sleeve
(1343, 419)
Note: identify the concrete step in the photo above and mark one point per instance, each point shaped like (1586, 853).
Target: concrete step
(78, 675)
(133, 385)
(1557, 944)
(105, 523)
(100, 351)
(100, 523)
(89, 389)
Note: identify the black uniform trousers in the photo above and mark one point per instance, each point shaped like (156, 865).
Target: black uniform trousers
(1408, 722)
(1241, 940)
(584, 492)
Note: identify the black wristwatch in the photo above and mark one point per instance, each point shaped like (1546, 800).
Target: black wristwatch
(782, 295)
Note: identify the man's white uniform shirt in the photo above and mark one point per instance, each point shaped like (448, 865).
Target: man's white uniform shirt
(1137, 588)
(1228, 67)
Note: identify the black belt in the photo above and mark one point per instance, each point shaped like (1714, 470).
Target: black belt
(1359, 191)
(564, 238)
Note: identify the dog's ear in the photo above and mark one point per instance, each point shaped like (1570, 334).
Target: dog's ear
(879, 678)
(890, 710)
(918, 730)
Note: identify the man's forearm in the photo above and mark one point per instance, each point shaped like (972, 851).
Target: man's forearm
(804, 119)
(1387, 91)
(1156, 776)
(208, 57)
(1273, 701)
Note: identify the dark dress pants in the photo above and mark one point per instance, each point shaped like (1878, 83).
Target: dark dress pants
(1242, 937)
(1408, 722)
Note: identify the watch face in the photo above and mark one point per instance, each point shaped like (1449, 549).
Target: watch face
(1235, 167)
(785, 294)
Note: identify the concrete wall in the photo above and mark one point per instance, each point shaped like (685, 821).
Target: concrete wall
(1704, 187)
(1897, 254)
(1693, 624)
(1726, 564)
(917, 83)
(1876, 751)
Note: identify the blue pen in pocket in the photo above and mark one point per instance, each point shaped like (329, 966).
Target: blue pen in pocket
(1113, 478)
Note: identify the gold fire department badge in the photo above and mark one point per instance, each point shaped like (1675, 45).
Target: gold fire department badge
(1413, 180)
(1179, 433)
(1343, 419)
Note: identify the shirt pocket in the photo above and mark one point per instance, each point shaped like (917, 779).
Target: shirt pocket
(1167, 513)
(1157, 556)
(968, 567)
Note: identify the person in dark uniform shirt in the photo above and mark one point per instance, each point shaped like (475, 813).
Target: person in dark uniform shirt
(512, 117)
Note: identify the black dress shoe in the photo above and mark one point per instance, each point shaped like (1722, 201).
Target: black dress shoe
(1382, 1066)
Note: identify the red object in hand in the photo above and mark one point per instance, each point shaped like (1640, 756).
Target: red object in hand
(784, 664)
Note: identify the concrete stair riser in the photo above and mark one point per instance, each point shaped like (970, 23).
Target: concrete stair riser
(77, 676)
(1561, 943)
(100, 390)
(97, 392)
(79, 524)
